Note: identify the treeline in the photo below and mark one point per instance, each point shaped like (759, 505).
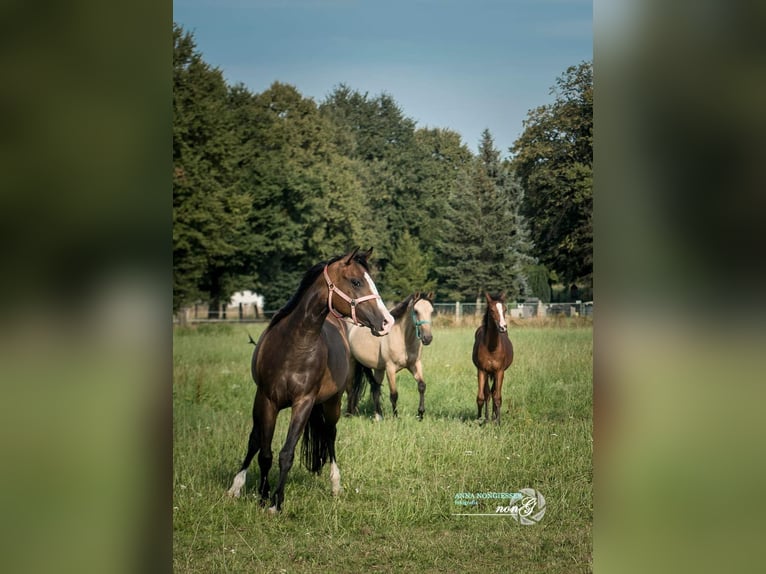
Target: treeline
(267, 184)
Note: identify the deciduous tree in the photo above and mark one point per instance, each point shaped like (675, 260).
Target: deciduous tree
(553, 159)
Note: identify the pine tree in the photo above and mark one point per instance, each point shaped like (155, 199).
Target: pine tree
(486, 245)
(408, 270)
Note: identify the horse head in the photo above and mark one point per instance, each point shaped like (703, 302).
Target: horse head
(422, 309)
(496, 309)
(352, 292)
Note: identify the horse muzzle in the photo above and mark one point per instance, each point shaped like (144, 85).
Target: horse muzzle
(385, 330)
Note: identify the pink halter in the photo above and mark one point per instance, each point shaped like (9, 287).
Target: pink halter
(353, 302)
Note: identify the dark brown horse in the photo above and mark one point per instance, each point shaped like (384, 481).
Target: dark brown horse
(402, 349)
(492, 355)
(302, 360)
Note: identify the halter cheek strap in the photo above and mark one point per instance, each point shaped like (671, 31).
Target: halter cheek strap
(332, 288)
(418, 323)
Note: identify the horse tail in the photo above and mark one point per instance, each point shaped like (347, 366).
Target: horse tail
(356, 391)
(315, 447)
(249, 336)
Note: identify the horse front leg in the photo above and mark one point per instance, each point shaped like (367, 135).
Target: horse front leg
(393, 392)
(417, 372)
(480, 396)
(497, 396)
(298, 420)
(264, 417)
(268, 415)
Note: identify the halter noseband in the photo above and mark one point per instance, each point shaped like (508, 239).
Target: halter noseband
(332, 288)
(416, 322)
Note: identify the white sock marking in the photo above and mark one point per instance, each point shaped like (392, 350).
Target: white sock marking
(239, 482)
(335, 479)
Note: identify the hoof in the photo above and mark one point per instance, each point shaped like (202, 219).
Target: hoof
(231, 493)
(273, 511)
(378, 418)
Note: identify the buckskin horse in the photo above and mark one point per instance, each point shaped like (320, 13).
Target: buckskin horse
(302, 360)
(375, 357)
(492, 355)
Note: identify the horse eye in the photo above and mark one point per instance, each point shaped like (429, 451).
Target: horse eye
(356, 283)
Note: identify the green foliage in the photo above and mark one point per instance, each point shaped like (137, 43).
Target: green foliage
(307, 198)
(267, 184)
(538, 280)
(408, 270)
(554, 160)
(209, 210)
(484, 245)
(382, 139)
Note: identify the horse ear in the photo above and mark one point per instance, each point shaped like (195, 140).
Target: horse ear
(502, 296)
(416, 296)
(351, 256)
(367, 254)
(430, 296)
(489, 298)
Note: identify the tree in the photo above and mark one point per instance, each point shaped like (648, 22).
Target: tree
(485, 245)
(383, 140)
(553, 159)
(538, 280)
(441, 158)
(209, 210)
(307, 199)
(408, 269)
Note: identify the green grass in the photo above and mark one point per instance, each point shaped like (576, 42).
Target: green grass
(399, 476)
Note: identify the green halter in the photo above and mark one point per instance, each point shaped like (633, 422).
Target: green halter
(417, 323)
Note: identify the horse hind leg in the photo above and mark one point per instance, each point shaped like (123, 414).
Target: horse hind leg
(319, 440)
(331, 415)
(376, 382)
(355, 390)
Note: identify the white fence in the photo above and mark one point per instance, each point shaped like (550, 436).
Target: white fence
(456, 312)
(459, 311)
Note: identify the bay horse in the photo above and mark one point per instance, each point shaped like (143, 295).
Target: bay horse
(302, 360)
(401, 349)
(492, 355)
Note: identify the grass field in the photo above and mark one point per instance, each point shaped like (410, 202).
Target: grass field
(400, 476)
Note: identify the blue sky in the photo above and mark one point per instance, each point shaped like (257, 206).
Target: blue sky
(465, 65)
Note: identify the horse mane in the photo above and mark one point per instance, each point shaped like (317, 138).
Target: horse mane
(308, 280)
(401, 307)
